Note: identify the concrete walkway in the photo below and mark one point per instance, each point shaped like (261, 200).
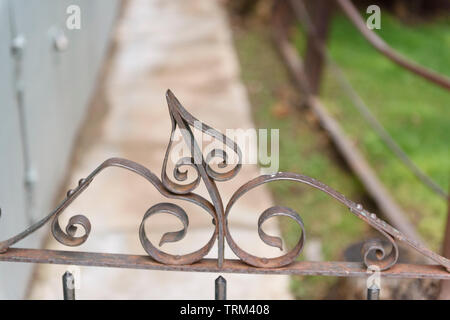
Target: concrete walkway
(185, 46)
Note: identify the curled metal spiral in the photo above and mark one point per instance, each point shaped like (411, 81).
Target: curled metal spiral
(220, 176)
(382, 260)
(374, 252)
(69, 238)
(181, 176)
(269, 240)
(183, 119)
(161, 256)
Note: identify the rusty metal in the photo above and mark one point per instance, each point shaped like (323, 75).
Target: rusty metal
(220, 288)
(68, 282)
(301, 268)
(373, 254)
(373, 292)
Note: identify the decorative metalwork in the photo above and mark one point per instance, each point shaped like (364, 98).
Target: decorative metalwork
(175, 189)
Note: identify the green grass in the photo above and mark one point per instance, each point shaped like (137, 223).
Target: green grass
(305, 149)
(415, 112)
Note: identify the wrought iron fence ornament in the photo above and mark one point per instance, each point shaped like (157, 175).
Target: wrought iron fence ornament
(175, 189)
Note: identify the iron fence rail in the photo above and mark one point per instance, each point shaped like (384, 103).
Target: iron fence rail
(375, 253)
(301, 268)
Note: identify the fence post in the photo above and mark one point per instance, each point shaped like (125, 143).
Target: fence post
(68, 281)
(373, 292)
(321, 12)
(221, 288)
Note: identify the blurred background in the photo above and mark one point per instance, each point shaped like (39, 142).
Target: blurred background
(82, 81)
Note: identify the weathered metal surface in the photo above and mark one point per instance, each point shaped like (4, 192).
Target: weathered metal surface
(220, 288)
(68, 282)
(181, 118)
(313, 268)
(374, 254)
(373, 293)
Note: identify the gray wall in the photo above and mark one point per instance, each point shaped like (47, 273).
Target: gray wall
(44, 94)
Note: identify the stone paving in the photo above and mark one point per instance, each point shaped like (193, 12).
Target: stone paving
(185, 46)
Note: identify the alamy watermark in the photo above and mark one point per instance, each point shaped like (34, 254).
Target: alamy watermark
(374, 20)
(257, 146)
(73, 21)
